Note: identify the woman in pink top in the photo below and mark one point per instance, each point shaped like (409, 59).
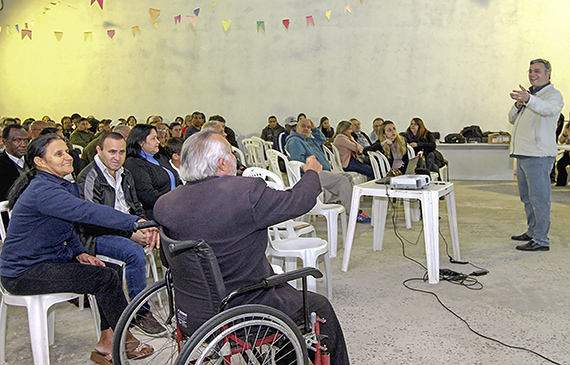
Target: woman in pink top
(349, 150)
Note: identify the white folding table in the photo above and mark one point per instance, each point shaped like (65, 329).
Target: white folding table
(429, 198)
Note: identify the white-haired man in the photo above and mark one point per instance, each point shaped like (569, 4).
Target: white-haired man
(239, 240)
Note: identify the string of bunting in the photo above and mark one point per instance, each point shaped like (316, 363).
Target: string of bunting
(154, 14)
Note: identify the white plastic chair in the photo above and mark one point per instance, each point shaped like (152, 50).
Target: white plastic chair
(331, 212)
(77, 147)
(261, 147)
(274, 181)
(254, 151)
(41, 317)
(273, 156)
(336, 166)
(240, 155)
(411, 152)
(381, 167)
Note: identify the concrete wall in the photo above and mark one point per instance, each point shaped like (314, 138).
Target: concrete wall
(450, 62)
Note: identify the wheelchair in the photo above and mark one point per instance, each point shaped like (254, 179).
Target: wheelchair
(244, 334)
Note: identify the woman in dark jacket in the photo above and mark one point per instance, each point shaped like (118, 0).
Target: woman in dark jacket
(151, 170)
(43, 255)
(421, 139)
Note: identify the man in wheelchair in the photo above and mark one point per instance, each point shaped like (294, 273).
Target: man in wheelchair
(232, 214)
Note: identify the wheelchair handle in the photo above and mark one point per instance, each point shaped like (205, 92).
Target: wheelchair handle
(145, 224)
(177, 247)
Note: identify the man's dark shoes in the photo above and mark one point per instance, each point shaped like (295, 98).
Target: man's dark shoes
(148, 324)
(522, 237)
(532, 246)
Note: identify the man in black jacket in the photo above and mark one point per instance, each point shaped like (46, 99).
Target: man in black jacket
(105, 181)
(12, 159)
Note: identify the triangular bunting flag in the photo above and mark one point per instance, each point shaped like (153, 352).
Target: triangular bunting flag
(361, 2)
(177, 19)
(0, 29)
(87, 36)
(100, 2)
(212, 4)
(347, 9)
(286, 23)
(154, 13)
(26, 25)
(328, 14)
(261, 25)
(8, 30)
(155, 25)
(111, 33)
(17, 28)
(191, 19)
(58, 35)
(26, 33)
(196, 11)
(226, 24)
(136, 29)
(310, 20)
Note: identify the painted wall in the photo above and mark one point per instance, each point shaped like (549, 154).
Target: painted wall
(450, 62)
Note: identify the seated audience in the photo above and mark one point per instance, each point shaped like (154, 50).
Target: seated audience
(15, 140)
(173, 149)
(350, 150)
(105, 181)
(153, 119)
(67, 125)
(359, 136)
(176, 129)
(77, 164)
(91, 149)
(197, 120)
(391, 145)
(301, 145)
(163, 133)
(131, 121)
(421, 139)
(36, 128)
(240, 241)
(272, 129)
(43, 255)
(218, 127)
(82, 135)
(562, 178)
(280, 140)
(327, 130)
(152, 172)
(376, 123)
(230, 134)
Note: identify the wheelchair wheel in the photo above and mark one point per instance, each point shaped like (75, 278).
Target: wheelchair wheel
(164, 343)
(248, 334)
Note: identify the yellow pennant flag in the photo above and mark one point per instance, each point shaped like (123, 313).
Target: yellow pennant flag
(58, 35)
(226, 24)
(154, 13)
(328, 13)
(212, 4)
(155, 25)
(87, 36)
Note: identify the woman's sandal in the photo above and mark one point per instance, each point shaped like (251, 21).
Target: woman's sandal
(140, 352)
(100, 358)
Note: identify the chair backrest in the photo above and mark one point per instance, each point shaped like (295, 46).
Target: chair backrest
(240, 155)
(198, 283)
(272, 179)
(273, 156)
(294, 172)
(411, 152)
(333, 156)
(380, 164)
(3, 209)
(255, 151)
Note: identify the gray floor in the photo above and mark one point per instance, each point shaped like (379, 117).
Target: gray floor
(524, 301)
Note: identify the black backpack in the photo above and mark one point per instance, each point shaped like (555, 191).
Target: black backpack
(454, 138)
(472, 133)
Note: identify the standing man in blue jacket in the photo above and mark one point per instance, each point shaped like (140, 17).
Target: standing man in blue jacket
(535, 116)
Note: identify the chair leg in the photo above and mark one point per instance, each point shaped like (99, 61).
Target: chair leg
(95, 314)
(407, 214)
(332, 228)
(329, 276)
(3, 325)
(39, 336)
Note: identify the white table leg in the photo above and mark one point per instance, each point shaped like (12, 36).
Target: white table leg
(430, 210)
(381, 208)
(452, 216)
(351, 227)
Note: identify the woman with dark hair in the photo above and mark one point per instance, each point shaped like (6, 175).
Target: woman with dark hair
(349, 150)
(77, 164)
(131, 121)
(175, 129)
(421, 139)
(327, 130)
(152, 172)
(42, 254)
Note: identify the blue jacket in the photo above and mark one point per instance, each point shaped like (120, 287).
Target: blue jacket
(300, 148)
(41, 226)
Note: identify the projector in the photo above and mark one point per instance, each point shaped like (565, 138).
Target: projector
(412, 182)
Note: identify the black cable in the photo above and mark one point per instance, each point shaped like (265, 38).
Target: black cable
(405, 283)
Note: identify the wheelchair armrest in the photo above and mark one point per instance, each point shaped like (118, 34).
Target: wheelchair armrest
(178, 247)
(272, 281)
(145, 224)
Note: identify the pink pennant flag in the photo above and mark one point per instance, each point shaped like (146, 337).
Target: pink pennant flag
(177, 19)
(310, 20)
(100, 2)
(154, 13)
(347, 9)
(286, 23)
(191, 19)
(26, 33)
(111, 33)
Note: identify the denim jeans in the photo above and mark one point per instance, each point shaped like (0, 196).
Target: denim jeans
(361, 168)
(533, 178)
(132, 254)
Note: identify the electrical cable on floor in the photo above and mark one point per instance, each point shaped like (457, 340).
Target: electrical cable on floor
(452, 277)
